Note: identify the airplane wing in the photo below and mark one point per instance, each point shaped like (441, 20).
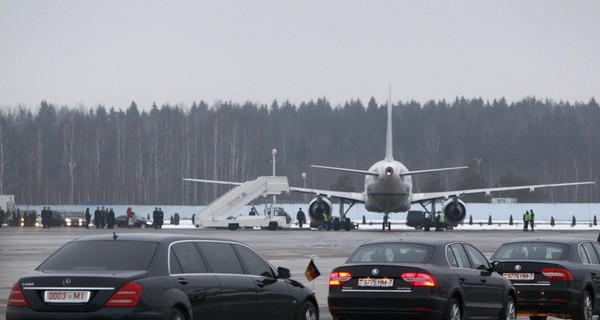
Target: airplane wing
(372, 173)
(429, 196)
(352, 196)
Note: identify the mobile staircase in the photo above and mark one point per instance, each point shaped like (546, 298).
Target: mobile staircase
(218, 214)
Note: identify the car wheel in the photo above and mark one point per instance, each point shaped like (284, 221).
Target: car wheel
(176, 314)
(308, 311)
(538, 318)
(510, 311)
(586, 307)
(143, 226)
(454, 312)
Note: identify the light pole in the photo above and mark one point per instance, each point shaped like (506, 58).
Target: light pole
(71, 175)
(478, 160)
(304, 181)
(274, 152)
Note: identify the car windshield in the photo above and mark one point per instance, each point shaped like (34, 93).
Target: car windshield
(101, 255)
(392, 253)
(531, 251)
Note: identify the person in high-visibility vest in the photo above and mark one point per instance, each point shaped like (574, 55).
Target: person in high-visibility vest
(441, 221)
(526, 219)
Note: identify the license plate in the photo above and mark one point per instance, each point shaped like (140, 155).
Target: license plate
(66, 296)
(370, 282)
(518, 276)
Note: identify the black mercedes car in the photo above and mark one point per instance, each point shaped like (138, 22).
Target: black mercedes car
(554, 276)
(421, 278)
(158, 276)
(140, 222)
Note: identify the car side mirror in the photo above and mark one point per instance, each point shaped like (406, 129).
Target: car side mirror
(283, 273)
(497, 266)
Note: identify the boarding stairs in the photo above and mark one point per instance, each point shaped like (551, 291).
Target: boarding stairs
(218, 211)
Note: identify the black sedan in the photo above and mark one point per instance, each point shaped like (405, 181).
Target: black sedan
(557, 277)
(421, 279)
(140, 222)
(158, 276)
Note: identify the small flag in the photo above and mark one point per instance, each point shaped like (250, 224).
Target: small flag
(311, 272)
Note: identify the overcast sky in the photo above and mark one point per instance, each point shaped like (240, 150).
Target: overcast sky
(112, 52)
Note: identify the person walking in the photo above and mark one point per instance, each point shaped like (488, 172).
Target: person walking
(155, 218)
(97, 218)
(526, 218)
(301, 217)
(88, 217)
(531, 219)
(130, 218)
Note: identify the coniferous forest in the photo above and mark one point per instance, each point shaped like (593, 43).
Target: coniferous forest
(67, 155)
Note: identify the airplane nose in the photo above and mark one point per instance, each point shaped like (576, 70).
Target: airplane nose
(389, 171)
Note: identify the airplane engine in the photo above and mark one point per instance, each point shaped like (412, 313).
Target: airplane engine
(317, 206)
(454, 211)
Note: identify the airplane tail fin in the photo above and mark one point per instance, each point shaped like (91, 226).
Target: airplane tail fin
(388, 138)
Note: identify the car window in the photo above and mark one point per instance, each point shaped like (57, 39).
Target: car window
(587, 253)
(596, 246)
(101, 255)
(253, 263)
(451, 257)
(478, 260)
(460, 256)
(220, 257)
(531, 251)
(392, 253)
(185, 258)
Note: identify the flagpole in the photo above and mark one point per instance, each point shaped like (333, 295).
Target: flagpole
(313, 282)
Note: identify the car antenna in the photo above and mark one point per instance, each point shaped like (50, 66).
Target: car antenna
(115, 236)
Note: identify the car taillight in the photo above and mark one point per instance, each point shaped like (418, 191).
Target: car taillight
(16, 297)
(557, 274)
(419, 279)
(337, 278)
(127, 296)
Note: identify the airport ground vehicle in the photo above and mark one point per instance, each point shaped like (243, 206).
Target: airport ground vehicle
(554, 276)
(158, 276)
(422, 278)
(140, 222)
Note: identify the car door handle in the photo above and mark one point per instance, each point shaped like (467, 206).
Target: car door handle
(462, 279)
(483, 280)
(183, 281)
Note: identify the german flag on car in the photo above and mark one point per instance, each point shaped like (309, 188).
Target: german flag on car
(311, 272)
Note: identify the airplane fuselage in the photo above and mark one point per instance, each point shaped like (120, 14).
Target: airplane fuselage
(388, 191)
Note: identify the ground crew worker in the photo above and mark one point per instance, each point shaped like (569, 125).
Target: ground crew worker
(326, 220)
(526, 219)
(301, 217)
(531, 219)
(441, 220)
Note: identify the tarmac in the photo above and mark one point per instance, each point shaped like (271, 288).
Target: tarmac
(23, 249)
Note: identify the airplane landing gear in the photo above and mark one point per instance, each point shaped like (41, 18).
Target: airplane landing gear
(386, 223)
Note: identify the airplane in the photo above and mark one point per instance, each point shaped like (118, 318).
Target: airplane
(388, 189)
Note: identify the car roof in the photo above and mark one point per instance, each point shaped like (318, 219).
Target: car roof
(563, 240)
(147, 237)
(413, 240)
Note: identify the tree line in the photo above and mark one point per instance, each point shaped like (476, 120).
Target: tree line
(68, 155)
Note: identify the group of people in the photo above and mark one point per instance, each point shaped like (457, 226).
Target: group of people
(158, 217)
(102, 218)
(46, 216)
(528, 220)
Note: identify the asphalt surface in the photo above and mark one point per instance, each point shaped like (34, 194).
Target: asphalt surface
(23, 249)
